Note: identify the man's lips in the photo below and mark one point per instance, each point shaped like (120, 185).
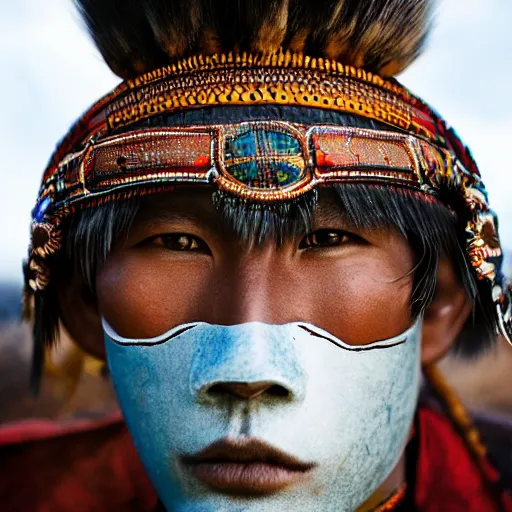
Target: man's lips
(245, 466)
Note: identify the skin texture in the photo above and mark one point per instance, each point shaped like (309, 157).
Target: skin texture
(344, 411)
(357, 289)
(360, 288)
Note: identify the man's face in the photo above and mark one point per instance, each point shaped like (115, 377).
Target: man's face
(249, 374)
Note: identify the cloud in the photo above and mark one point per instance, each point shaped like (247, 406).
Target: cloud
(464, 75)
(54, 74)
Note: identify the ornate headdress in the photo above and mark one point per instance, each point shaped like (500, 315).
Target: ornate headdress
(337, 56)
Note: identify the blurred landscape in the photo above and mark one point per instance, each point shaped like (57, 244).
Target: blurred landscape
(10, 304)
(73, 386)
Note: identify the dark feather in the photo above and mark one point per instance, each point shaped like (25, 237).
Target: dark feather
(383, 36)
(123, 35)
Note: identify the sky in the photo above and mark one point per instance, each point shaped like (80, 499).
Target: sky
(51, 73)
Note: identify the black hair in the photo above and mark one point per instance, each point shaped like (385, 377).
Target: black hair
(431, 229)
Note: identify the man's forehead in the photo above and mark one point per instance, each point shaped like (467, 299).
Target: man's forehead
(198, 205)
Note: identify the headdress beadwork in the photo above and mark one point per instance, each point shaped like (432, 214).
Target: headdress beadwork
(262, 161)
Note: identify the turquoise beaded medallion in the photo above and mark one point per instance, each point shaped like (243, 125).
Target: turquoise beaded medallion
(263, 157)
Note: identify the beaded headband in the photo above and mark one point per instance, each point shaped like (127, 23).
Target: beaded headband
(101, 159)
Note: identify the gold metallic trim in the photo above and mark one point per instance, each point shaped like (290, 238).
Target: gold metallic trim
(85, 179)
(195, 154)
(263, 86)
(228, 182)
(280, 78)
(279, 59)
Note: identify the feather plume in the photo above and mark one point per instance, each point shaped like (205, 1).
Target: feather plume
(135, 36)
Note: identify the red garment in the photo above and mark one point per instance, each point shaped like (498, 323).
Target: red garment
(93, 467)
(79, 467)
(447, 478)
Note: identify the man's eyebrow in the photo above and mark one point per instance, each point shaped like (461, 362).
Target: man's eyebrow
(329, 213)
(157, 215)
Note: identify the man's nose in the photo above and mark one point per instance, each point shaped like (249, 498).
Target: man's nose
(247, 362)
(247, 390)
(256, 288)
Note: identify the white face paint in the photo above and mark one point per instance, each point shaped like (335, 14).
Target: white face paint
(348, 409)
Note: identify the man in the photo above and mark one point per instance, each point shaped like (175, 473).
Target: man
(268, 242)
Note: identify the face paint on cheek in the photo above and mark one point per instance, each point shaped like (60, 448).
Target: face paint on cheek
(320, 426)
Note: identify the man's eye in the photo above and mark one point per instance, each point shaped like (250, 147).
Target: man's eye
(324, 238)
(180, 242)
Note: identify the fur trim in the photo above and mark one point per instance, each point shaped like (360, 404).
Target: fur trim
(136, 36)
